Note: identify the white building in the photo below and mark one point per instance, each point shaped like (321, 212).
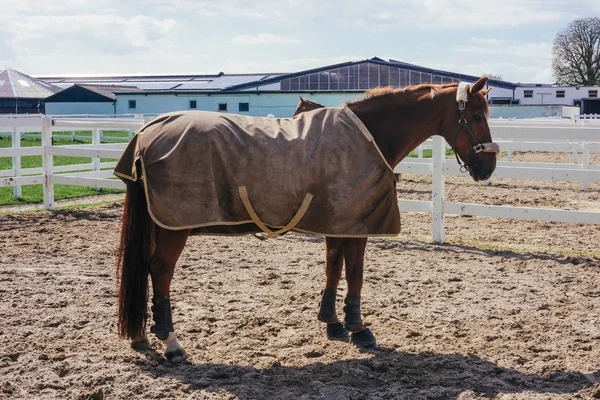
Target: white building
(251, 94)
(278, 94)
(585, 97)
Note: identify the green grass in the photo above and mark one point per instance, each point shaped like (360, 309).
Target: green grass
(34, 193)
(427, 153)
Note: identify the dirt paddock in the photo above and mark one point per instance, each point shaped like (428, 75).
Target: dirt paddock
(506, 309)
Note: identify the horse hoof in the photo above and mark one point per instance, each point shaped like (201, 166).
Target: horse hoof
(365, 339)
(176, 356)
(140, 345)
(337, 332)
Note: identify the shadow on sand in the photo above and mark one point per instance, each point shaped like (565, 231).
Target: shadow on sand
(386, 375)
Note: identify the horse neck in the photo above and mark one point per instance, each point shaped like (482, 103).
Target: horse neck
(399, 125)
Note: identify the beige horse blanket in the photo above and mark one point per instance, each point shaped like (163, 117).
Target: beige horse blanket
(320, 173)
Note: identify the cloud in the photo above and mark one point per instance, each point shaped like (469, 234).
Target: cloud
(97, 44)
(486, 41)
(262, 10)
(177, 36)
(56, 36)
(450, 14)
(510, 71)
(499, 47)
(286, 65)
(264, 38)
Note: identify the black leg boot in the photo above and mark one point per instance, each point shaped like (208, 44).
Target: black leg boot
(161, 314)
(353, 323)
(327, 313)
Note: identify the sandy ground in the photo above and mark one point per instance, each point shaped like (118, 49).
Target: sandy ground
(506, 309)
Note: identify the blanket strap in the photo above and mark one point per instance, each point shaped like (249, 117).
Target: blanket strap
(293, 222)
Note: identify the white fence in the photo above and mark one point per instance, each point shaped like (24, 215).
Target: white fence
(527, 135)
(93, 174)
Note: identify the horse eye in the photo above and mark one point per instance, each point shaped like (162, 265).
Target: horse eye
(477, 118)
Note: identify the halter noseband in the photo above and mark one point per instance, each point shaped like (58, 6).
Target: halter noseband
(489, 147)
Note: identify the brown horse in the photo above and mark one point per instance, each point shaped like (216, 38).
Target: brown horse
(398, 119)
(306, 105)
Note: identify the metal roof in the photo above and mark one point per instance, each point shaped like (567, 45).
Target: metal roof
(166, 83)
(76, 92)
(374, 60)
(493, 82)
(236, 82)
(16, 85)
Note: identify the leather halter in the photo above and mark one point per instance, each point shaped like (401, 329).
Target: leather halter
(489, 147)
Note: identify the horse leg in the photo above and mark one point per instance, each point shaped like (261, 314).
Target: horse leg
(354, 254)
(333, 271)
(168, 248)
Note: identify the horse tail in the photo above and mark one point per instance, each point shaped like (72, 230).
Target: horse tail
(133, 260)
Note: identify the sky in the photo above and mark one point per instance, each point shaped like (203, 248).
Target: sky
(510, 38)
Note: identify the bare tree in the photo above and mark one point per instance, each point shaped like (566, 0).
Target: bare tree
(576, 53)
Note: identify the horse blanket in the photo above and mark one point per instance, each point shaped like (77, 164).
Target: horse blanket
(215, 173)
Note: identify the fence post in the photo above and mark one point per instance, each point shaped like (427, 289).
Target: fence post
(585, 163)
(16, 162)
(438, 155)
(47, 163)
(96, 138)
(420, 151)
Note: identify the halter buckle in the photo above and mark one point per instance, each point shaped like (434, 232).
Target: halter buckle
(478, 148)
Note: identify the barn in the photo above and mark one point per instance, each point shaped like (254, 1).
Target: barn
(86, 99)
(259, 94)
(22, 94)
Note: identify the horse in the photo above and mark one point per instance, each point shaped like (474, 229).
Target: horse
(398, 120)
(305, 105)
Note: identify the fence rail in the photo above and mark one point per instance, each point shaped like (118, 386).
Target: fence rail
(528, 135)
(89, 174)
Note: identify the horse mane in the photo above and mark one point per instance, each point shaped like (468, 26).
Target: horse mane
(406, 94)
(309, 101)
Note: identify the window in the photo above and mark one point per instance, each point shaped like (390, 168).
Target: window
(414, 78)
(384, 75)
(373, 74)
(592, 93)
(528, 93)
(560, 93)
(343, 78)
(394, 77)
(222, 106)
(244, 107)
(313, 82)
(334, 79)
(132, 104)
(193, 104)
(425, 77)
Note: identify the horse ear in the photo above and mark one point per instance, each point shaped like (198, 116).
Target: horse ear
(301, 99)
(486, 91)
(477, 86)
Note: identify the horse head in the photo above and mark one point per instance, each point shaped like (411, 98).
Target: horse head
(306, 105)
(465, 128)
